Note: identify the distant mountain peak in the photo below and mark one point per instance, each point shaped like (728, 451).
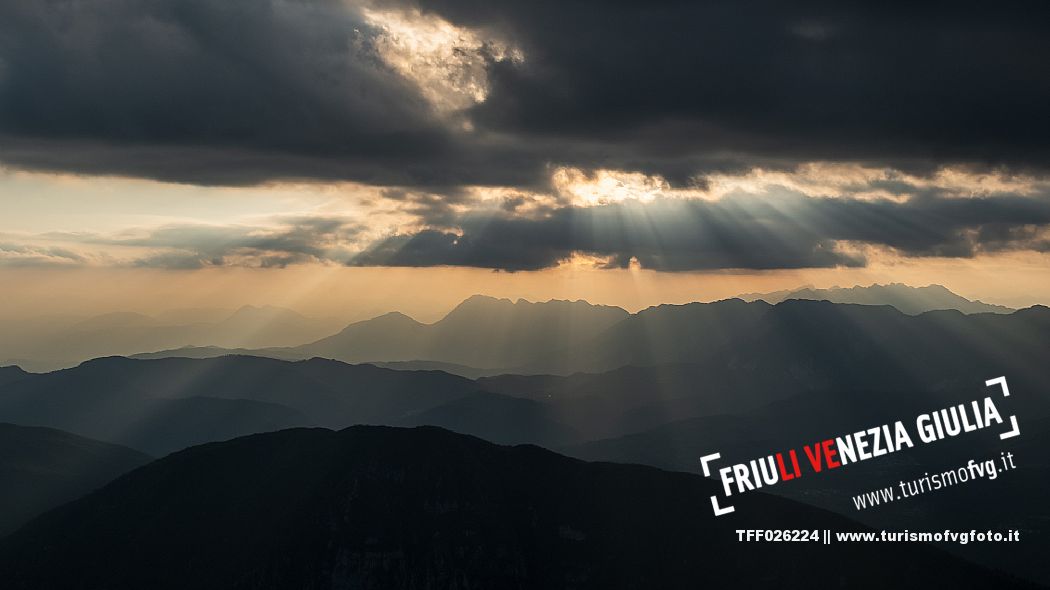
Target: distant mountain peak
(487, 300)
(721, 303)
(478, 299)
(387, 319)
(479, 306)
(907, 299)
(12, 373)
(395, 316)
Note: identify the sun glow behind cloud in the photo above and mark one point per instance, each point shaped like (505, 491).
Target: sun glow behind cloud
(599, 187)
(448, 64)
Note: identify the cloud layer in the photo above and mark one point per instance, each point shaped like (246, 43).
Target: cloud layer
(781, 231)
(772, 227)
(245, 91)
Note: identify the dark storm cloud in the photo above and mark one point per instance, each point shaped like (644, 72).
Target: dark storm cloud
(738, 232)
(241, 91)
(908, 84)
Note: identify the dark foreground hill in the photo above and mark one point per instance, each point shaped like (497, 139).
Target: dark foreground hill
(41, 468)
(387, 508)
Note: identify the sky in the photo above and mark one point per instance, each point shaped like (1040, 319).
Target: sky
(347, 158)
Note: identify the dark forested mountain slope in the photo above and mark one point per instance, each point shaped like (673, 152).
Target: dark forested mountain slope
(376, 507)
(41, 468)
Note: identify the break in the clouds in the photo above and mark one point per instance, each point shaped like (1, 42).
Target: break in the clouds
(449, 93)
(826, 218)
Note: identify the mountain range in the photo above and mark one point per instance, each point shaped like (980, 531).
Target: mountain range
(661, 387)
(480, 332)
(910, 300)
(482, 336)
(486, 337)
(164, 405)
(663, 364)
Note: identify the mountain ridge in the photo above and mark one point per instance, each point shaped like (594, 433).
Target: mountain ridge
(164, 405)
(909, 300)
(41, 468)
